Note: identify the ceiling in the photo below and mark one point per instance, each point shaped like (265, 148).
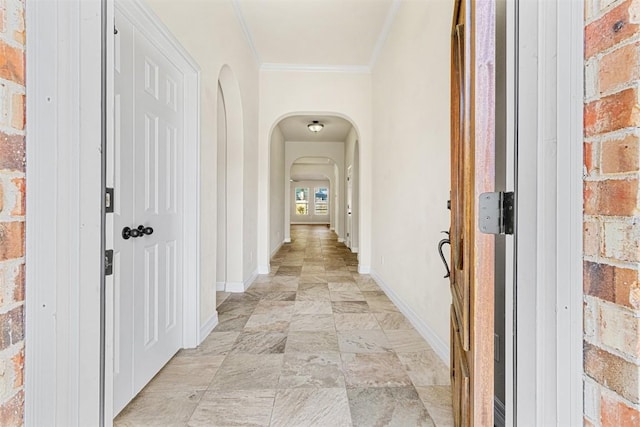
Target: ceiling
(306, 169)
(316, 34)
(295, 129)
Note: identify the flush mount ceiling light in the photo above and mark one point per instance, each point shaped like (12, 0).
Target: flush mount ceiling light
(315, 126)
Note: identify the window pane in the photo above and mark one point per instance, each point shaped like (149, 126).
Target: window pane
(302, 201)
(321, 201)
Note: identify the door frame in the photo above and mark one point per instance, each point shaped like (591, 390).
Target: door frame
(150, 25)
(546, 363)
(66, 115)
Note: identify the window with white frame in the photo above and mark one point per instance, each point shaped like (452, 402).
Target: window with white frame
(302, 201)
(321, 201)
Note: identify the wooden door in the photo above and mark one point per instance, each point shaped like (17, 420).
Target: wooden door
(472, 173)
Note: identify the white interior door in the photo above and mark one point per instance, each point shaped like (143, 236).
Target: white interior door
(149, 129)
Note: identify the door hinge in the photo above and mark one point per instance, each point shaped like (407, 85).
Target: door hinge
(108, 262)
(496, 213)
(108, 200)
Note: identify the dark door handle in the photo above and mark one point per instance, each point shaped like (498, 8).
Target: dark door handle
(444, 260)
(128, 233)
(145, 230)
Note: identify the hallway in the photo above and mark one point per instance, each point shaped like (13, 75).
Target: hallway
(313, 343)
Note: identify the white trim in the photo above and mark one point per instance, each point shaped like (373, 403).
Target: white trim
(220, 286)
(264, 269)
(570, 213)
(287, 240)
(239, 287)
(340, 240)
(208, 326)
(384, 34)
(354, 250)
(351, 69)
(364, 269)
(308, 223)
(237, 8)
(549, 207)
(63, 224)
(440, 347)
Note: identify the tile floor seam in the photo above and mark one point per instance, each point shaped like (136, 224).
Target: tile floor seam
(307, 366)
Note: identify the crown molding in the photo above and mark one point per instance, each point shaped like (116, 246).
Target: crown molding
(245, 29)
(358, 69)
(384, 33)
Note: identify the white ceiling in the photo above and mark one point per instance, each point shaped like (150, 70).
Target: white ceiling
(316, 34)
(295, 128)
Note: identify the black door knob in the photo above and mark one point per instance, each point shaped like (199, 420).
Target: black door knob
(145, 230)
(127, 233)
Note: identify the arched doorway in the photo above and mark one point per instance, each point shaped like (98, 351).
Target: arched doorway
(290, 141)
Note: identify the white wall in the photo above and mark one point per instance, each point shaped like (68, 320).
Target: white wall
(210, 32)
(285, 93)
(277, 186)
(331, 150)
(411, 162)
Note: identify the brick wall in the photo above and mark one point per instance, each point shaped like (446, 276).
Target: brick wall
(612, 213)
(12, 211)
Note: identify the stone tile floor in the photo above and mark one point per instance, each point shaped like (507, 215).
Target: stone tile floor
(312, 344)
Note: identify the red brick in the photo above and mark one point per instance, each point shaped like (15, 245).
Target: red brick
(617, 111)
(588, 157)
(11, 63)
(11, 327)
(622, 240)
(11, 240)
(19, 284)
(618, 24)
(620, 155)
(616, 413)
(619, 67)
(612, 371)
(588, 423)
(608, 282)
(12, 152)
(12, 411)
(17, 111)
(18, 368)
(611, 197)
(19, 207)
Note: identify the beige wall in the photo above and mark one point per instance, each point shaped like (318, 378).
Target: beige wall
(411, 162)
(210, 32)
(276, 196)
(285, 93)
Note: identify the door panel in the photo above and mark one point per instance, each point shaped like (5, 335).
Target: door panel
(472, 173)
(148, 161)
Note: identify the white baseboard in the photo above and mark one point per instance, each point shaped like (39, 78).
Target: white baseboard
(309, 223)
(287, 240)
(440, 347)
(354, 250)
(239, 287)
(264, 269)
(364, 269)
(340, 240)
(332, 229)
(220, 286)
(250, 280)
(275, 251)
(235, 287)
(207, 327)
